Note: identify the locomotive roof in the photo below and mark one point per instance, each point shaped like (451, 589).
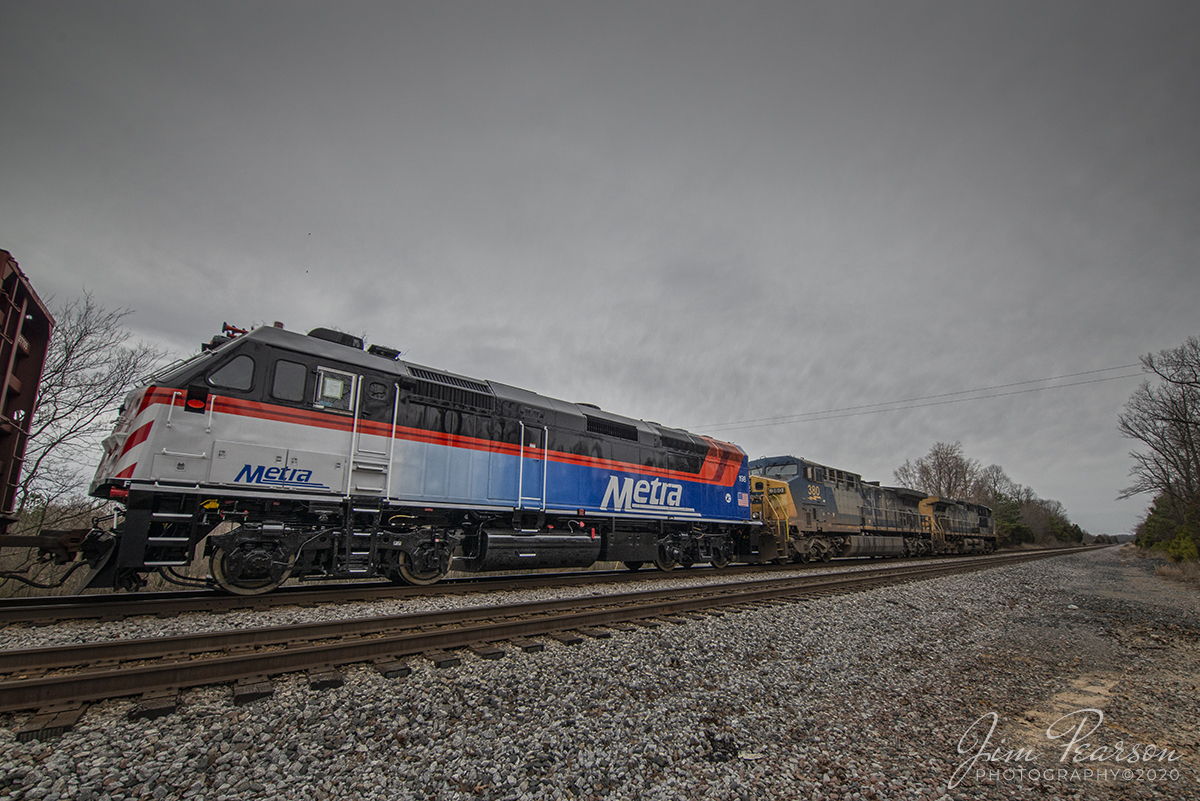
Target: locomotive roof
(771, 461)
(570, 414)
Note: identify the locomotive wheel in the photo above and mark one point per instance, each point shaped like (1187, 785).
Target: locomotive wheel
(719, 559)
(826, 556)
(664, 561)
(417, 578)
(634, 566)
(250, 568)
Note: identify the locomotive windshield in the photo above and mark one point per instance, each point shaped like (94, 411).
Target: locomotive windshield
(786, 471)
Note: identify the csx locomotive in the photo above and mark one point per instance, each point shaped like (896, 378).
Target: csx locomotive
(306, 456)
(820, 512)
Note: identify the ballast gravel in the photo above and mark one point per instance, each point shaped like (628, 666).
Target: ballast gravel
(89, 631)
(886, 694)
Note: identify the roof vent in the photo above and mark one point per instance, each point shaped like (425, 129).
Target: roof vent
(329, 335)
(387, 353)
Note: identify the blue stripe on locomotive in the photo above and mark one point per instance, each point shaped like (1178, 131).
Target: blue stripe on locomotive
(429, 472)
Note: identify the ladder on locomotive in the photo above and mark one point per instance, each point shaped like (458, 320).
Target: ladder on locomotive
(369, 475)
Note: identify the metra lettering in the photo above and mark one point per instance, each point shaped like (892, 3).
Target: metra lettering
(643, 493)
(261, 474)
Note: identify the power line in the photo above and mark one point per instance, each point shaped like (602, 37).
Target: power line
(916, 403)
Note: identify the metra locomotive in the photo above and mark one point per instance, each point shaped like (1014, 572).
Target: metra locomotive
(306, 456)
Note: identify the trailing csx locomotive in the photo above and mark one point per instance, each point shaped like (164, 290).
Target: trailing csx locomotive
(813, 511)
(305, 456)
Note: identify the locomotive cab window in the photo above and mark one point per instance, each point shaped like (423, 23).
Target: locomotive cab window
(788, 471)
(238, 373)
(289, 381)
(335, 390)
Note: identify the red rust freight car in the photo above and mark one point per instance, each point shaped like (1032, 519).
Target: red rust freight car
(24, 340)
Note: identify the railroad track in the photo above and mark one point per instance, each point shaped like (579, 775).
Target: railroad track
(59, 682)
(47, 610)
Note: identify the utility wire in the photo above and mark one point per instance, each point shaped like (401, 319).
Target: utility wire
(893, 406)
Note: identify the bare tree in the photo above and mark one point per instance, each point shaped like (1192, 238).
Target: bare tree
(992, 485)
(89, 367)
(1166, 419)
(945, 471)
(1020, 515)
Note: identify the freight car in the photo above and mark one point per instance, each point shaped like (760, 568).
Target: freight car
(25, 326)
(306, 456)
(836, 513)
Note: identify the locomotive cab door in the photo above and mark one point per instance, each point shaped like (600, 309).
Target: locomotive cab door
(371, 454)
(531, 489)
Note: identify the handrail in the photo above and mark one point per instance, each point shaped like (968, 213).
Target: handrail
(353, 433)
(212, 402)
(387, 484)
(171, 407)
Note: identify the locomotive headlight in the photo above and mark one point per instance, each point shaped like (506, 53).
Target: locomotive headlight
(197, 398)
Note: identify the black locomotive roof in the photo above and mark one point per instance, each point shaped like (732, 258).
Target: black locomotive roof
(558, 412)
(768, 461)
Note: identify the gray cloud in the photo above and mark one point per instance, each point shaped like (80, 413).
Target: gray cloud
(694, 213)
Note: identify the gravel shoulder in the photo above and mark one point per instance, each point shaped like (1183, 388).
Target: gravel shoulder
(879, 695)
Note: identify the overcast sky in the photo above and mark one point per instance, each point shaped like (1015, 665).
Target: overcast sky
(696, 213)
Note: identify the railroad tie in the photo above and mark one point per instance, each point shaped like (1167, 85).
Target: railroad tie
(442, 659)
(488, 651)
(251, 689)
(596, 634)
(324, 678)
(566, 638)
(529, 646)
(51, 721)
(155, 704)
(392, 668)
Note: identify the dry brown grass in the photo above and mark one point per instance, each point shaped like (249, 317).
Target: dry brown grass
(1187, 572)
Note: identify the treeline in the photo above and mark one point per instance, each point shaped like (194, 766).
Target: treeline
(1163, 415)
(1021, 516)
